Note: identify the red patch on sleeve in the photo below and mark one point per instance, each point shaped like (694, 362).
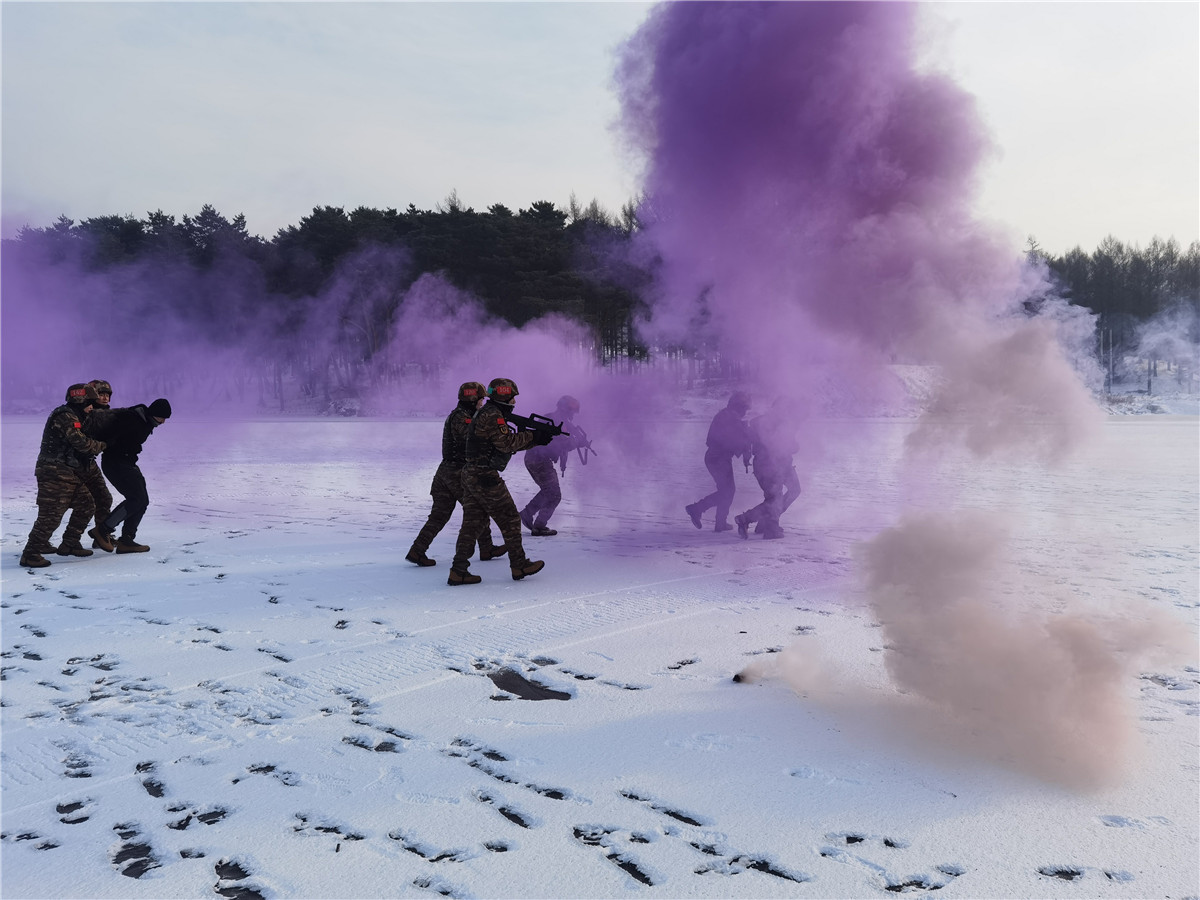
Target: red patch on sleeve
(501, 421)
(77, 424)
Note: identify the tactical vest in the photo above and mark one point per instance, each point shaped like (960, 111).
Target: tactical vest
(480, 452)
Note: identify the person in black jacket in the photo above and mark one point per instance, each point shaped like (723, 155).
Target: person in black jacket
(124, 431)
(728, 436)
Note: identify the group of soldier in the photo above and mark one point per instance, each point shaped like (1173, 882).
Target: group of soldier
(68, 478)
(768, 442)
(477, 444)
(478, 441)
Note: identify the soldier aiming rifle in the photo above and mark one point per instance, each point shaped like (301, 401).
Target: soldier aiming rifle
(540, 463)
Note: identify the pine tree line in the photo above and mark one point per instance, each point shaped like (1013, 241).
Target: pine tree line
(575, 262)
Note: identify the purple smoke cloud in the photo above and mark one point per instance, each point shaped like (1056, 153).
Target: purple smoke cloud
(810, 195)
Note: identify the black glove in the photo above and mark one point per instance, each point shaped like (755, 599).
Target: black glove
(541, 438)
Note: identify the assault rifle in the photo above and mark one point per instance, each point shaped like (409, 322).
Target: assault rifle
(583, 446)
(533, 422)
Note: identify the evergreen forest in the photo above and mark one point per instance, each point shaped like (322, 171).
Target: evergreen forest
(576, 262)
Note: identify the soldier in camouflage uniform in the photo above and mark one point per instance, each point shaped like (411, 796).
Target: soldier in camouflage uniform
(540, 462)
(490, 445)
(60, 487)
(93, 478)
(447, 487)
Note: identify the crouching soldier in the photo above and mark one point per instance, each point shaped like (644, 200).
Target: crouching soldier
(775, 442)
(60, 487)
(447, 487)
(490, 445)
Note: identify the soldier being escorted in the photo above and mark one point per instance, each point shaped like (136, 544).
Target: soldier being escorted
(125, 430)
(775, 443)
(447, 487)
(61, 459)
(490, 445)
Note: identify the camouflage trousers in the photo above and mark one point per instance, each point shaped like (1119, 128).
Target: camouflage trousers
(779, 492)
(447, 492)
(58, 491)
(485, 495)
(549, 495)
(93, 480)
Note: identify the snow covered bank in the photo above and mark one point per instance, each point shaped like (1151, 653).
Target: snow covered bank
(273, 703)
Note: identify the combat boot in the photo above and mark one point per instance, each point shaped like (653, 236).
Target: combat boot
(694, 515)
(494, 553)
(44, 549)
(101, 539)
(31, 560)
(73, 549)
(527, 518)
(743, 527)
(457, 577)
(416, 556)
(722, 526)
(542, 531)
(529, 567)
(128, 545)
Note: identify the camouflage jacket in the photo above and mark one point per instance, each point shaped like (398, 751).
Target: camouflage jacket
(775, 443)
(556, 452)
(64, 444)
(454, 437)
(491, 443)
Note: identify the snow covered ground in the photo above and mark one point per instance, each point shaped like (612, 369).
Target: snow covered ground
(272, 703)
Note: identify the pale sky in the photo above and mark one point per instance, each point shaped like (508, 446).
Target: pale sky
(271, 109)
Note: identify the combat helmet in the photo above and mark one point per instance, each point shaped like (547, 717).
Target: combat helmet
(739, 400)
(503, 390)
(82, 395)
(471, 392)
(101, 386)
(568, 404)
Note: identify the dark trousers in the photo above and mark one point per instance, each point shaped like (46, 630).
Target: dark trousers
(549, 495)
(58, 491)
(447, 491)
(486, 496)
(127, 478)
(720, 467)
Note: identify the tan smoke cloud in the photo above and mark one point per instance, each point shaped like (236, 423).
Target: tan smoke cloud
(1046, 693)
(1006, 394)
